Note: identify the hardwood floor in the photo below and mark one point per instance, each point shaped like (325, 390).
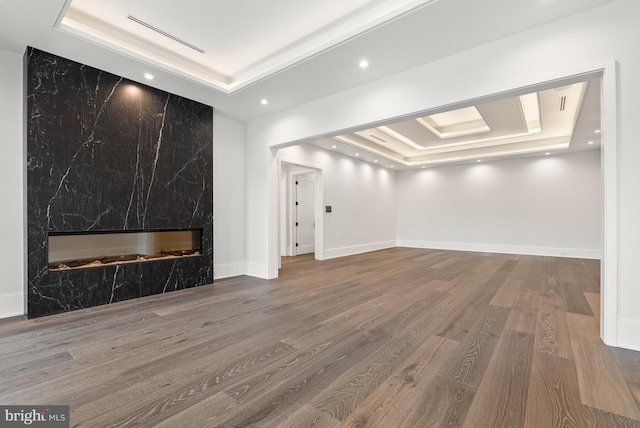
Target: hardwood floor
(393, 338)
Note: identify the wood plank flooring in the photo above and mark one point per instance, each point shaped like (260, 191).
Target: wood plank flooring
(393, 338)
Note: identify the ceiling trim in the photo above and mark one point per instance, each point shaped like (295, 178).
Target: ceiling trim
(448, 157)
(512, 150)
(456, 128)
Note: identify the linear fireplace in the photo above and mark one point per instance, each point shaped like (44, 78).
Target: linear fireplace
(119, 188)
(87, 250)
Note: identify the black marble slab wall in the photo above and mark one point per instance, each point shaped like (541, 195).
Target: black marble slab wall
(108, 154)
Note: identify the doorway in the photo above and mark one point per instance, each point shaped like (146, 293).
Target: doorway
(609, 326)
(300, 210)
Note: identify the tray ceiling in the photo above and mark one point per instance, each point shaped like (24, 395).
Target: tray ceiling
(545, 122)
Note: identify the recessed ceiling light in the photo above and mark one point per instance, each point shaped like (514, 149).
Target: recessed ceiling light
(149, 76)
(264, 101)
(333, 147)
(423, 167)
(376, 161)
(364, 63)
(590, 142)
(357, 154)
(597, 131)
(478, 160)
(391, 166)
(547, 154)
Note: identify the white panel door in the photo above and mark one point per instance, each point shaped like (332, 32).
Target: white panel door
(305, 220)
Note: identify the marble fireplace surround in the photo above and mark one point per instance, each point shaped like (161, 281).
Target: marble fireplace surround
(105, 154)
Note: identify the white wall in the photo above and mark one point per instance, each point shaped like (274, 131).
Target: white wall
(11, 185)
(543, 206)
(228, 197)
(362, 197)
(587, 41)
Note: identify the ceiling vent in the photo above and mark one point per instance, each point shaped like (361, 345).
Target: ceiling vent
(164, 33)
(563, 103)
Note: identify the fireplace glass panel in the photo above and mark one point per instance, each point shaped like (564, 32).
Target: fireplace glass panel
(82, 250)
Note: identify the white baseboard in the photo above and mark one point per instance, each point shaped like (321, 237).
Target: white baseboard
(228, 270)
(357, 249)
(258, 270)
(504, 249)
(628, 334)
(11, 305)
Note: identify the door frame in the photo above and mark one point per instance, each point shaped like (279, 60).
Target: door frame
(318, 204)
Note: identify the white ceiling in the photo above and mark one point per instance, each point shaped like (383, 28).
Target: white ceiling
(227, 44)
(291, 52)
